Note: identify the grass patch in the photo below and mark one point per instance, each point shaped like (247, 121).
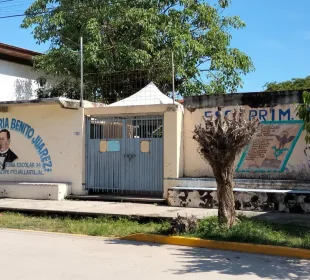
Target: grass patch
(101, 226)
(250, 230)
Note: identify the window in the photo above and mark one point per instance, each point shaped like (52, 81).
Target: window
(145, 127)
(106, 129)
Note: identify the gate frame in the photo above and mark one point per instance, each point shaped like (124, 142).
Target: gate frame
(158, 143)
(172, 140)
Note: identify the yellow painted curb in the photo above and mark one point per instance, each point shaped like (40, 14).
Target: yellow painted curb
(222, 245)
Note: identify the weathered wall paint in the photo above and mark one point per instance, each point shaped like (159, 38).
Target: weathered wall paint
(271, 148)
(48, 143)
(252, 200)
(292, 159)
(18, 82)
(262, 114)
(8, 158)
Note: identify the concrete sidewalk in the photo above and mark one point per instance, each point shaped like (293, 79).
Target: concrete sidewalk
(134, 209)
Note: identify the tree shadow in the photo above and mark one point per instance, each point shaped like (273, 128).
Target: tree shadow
(203, 260)
(193, 260)
(24, 89)
(285, 218)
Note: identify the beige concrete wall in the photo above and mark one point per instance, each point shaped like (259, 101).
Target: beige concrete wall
(58, 158)
(180, 132)
(129, 110)
(173, 146)
(298, 163)
(41, 191)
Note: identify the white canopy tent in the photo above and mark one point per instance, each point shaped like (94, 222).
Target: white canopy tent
(149, 95)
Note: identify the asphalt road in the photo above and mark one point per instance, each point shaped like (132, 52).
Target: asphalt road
(48, 256)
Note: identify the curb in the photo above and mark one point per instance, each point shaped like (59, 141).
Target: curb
(55, 233)
(221, 245)
(82, 213)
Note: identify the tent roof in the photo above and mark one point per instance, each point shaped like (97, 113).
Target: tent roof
(149, 95)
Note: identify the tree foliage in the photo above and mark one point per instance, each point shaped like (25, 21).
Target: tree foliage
(293, 84)
(123, 35)
(220, 141)
(303, 112)
(302, 109)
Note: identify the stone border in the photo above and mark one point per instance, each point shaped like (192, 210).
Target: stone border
(221, 245)
(290, 201)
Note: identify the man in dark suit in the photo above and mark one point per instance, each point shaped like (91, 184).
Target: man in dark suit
(6, 154)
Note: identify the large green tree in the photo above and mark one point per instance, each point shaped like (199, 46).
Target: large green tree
(303, 109)
(123, 35)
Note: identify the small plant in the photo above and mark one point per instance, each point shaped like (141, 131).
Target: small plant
(184, 224)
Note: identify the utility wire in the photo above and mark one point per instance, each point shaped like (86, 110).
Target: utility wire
(23, 15)
(9, 6)
(16, 8)
(14, 1)
(15, 5)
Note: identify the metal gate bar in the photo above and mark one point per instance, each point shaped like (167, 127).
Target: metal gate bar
(124, 154)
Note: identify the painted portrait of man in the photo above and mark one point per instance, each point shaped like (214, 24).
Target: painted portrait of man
(6, 154)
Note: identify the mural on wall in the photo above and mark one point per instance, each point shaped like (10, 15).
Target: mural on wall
(271, 148)
(271, 114)
(6, 154)
(10, 163)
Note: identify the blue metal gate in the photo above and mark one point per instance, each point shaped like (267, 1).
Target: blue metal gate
(124, 154)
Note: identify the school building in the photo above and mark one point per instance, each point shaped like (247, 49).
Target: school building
(143, 146)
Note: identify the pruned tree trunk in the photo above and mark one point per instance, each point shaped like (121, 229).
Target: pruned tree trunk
(219, 142)
(226, 199)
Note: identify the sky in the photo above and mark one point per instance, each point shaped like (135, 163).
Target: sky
(276, 37)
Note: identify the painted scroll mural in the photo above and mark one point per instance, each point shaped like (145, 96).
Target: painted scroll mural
(13, 163)
(272, 147)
